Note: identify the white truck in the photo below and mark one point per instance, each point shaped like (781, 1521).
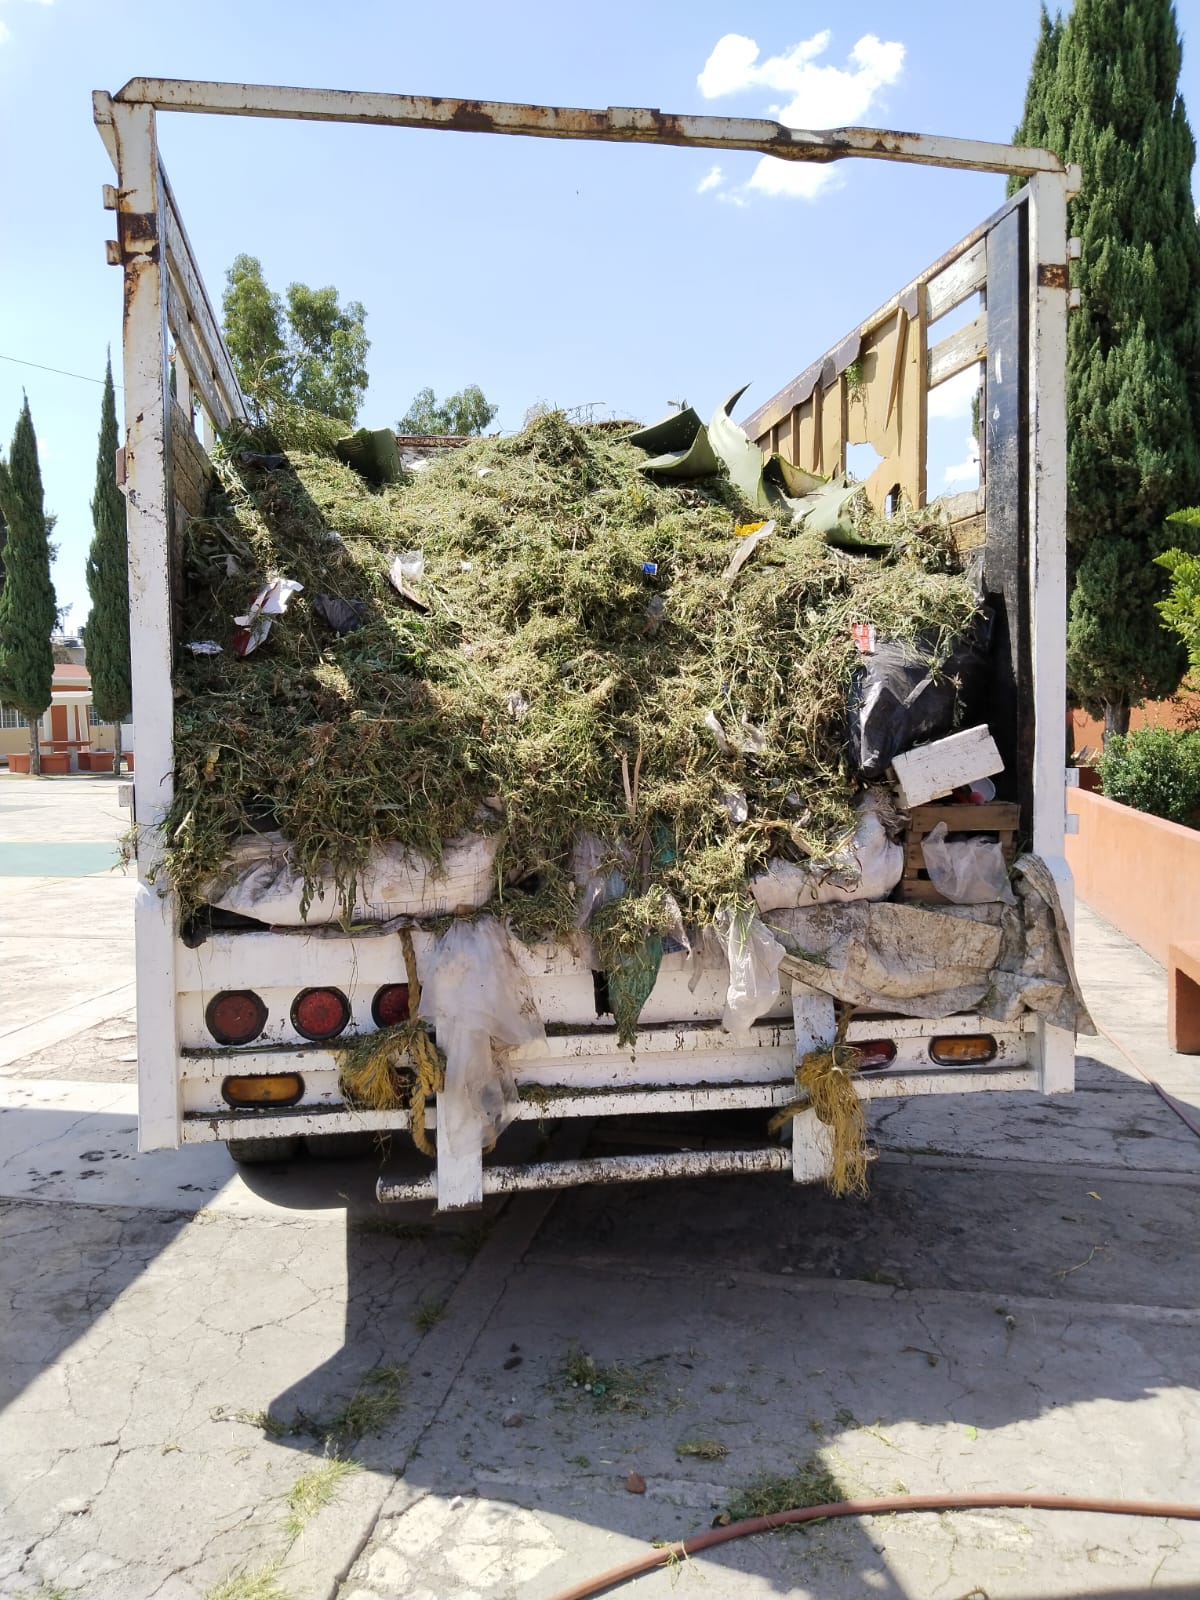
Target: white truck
(239, 1036)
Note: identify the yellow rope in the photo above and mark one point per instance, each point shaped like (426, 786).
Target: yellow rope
(430, 1073)
(827, 1079)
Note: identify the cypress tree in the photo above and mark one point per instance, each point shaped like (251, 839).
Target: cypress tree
(1033, 128)
(28, 611)
(108, 580)
(1105, 94)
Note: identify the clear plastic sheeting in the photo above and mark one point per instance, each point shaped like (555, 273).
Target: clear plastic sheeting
(262, 881)
(752, 954)
(868, 868)
(969, 871)
(480, 1006)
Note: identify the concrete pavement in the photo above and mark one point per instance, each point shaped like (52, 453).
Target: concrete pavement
(186, 1350)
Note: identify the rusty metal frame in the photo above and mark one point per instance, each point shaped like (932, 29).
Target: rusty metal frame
(620, 124)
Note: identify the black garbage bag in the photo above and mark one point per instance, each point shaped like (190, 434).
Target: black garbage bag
(898, 699)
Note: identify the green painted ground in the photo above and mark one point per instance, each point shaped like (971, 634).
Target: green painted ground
(34, 859)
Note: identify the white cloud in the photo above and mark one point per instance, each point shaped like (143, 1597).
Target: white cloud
(822, 96)
(966, 471)
(953, 398)
(4, 34)
(807, 179)
(713, 179)
(5, 30)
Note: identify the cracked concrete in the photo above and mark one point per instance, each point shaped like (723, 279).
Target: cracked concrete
(1014, 1306)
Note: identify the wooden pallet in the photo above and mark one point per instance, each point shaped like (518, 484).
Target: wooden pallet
(1000, 818)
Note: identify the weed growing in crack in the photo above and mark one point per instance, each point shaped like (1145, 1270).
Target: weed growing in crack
(427, 1314)
(378, 1398)
(314, 1490)
(261, 1584)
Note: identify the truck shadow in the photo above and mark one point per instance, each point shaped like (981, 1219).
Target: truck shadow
(966, 1323)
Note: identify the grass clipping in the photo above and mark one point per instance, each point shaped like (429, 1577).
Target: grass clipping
(578, 630)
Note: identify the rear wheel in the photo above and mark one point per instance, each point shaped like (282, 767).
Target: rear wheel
(262, 1152)
(341, 1146)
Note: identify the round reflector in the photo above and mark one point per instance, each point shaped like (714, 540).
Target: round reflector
(320, 1013)
(235, 1016)
(390, 1005)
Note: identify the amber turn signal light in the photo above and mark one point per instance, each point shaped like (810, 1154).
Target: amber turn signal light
(267, 1089)
(962, 1049)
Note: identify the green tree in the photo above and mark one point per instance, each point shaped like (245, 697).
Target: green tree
(309, 349)
(1104, 93)
(468, 411)
(108, 580)
(28, 612)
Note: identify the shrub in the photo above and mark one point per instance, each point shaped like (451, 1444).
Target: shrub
(1155, 770)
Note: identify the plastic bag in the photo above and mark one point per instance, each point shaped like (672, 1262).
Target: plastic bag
(595, 886)
(898, 700)
(262, 881)
(753, 955)
(869, 868)
(969, 871)
(477, 1000)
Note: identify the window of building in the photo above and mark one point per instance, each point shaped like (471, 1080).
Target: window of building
(94, 721)
(11, 718)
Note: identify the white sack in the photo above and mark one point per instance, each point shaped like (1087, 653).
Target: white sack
(262, 881)
(970, 871)
(868, 868)
(479, 1003)
(753, 955)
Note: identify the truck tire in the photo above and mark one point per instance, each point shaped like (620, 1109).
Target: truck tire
(340, 1146)
(262, 1152)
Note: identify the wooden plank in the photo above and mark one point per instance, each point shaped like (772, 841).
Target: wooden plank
(897, 365)
(198, 307)
(961, 278)
(997, 816)
(199, 367)
(958, 351)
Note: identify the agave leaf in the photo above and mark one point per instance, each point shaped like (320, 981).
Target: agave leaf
(697, 461)
(671, 434)
(740, 454)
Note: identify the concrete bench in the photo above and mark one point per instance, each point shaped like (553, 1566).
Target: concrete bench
(1183, 997)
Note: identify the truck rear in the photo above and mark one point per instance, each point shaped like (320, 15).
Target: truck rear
(248, 1024)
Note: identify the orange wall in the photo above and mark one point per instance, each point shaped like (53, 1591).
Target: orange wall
(1181, 712)
(1138, 872)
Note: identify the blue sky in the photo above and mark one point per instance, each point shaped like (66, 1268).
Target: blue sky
(542, 270)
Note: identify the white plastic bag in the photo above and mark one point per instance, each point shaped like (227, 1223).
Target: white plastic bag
(596, 887)
(261, 880)
(869, 868)
(969, 871)
(478, 1001)
(753, 955)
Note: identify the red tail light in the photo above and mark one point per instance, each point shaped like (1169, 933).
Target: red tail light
(874, 1053)
(391, 1005)
(320, 1013)
(235, 1016)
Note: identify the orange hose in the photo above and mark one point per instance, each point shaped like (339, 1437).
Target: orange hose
(1168, 1099)
(870, 1508)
